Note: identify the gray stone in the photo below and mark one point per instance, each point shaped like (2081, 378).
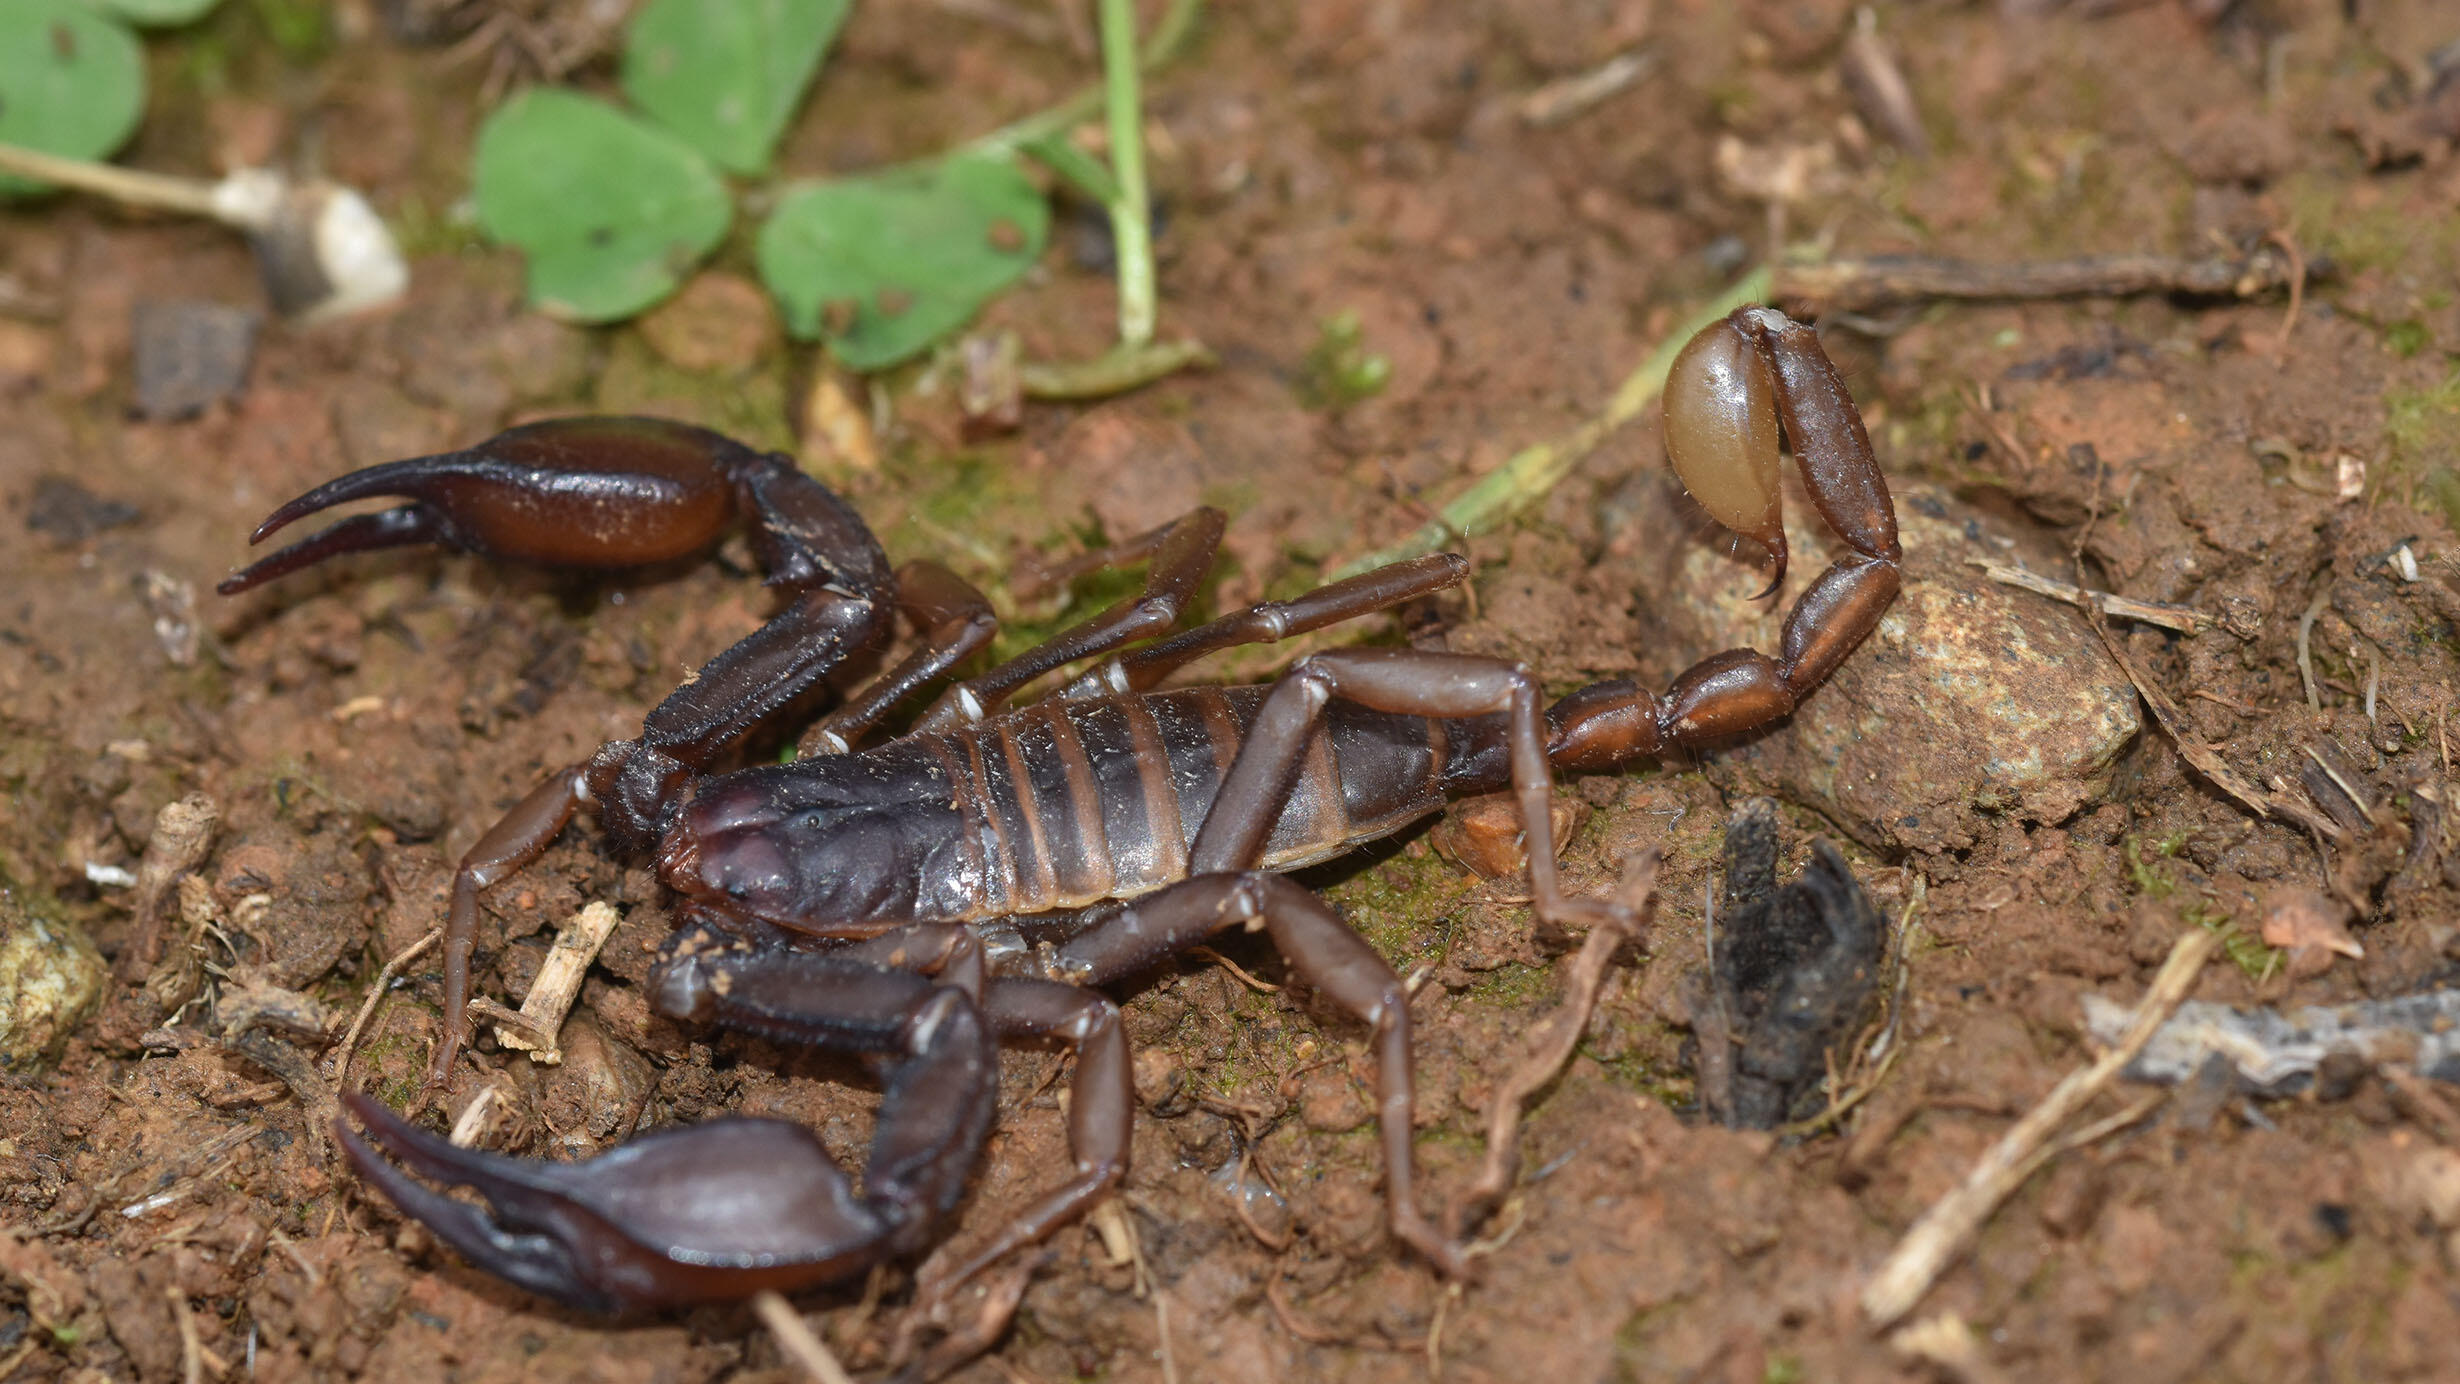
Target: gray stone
(190, 355)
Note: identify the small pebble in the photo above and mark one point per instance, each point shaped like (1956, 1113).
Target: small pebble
(190, 354)
(719, 323)
(71, 514)
(50, 978)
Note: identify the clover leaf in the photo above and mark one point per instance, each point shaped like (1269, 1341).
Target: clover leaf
(726, 75)
(611, 212)
(72, 83)
(879, 267)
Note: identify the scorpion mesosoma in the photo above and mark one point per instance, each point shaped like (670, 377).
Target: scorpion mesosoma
(976, 878)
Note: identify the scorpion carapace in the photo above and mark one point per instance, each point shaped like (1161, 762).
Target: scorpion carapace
(865, 897)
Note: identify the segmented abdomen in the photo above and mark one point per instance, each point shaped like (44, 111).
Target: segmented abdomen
(1073, 802)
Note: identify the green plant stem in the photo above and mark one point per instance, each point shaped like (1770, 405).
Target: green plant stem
(129, 186)
(1177, 26)
(1527, 476)
(1131, 219)
(1116, 371)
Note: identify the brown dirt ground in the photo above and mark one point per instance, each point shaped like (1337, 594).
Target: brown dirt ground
(359, 727)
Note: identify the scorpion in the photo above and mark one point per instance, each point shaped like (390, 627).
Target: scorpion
(979, 877)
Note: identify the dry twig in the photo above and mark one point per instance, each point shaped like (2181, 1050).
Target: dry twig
(375, 995)
(2306, 647)
(542, 1013)
(191, 1347)
(2184, 619)
(2297, 287)
(1109, 1222)
(1560, 100)
(1860, 285)
(1234, 968)
(1943, 1231)
(797, 1340)
(2422, 1102)
(1947, 1343)
(2207, 761)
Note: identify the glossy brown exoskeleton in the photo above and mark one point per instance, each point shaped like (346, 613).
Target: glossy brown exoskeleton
(977, 878)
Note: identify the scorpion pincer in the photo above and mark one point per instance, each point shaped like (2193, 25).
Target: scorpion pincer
(979, 877)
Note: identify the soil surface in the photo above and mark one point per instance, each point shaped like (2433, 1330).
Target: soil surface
(2283, 464)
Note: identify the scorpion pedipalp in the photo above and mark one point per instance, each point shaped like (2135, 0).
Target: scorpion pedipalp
(602, 492)
(709, 1212)
(718, 1211)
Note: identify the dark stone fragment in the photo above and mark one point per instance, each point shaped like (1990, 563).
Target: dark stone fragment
(71, 514)
(190, 354)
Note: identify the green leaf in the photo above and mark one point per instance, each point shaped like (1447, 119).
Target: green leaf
(157, 14)
(881, 267)
(611, 212)
(72, 83)
(726, 75)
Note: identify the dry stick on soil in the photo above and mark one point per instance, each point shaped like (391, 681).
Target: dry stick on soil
(1121, 1245)
(1208, 954)
(1946, 1342)
(1435, 1331)
(559, 984)
(289, 1246)
(1951, 1223)
(375, 993)
(2207, 761)
(2422, 1103)
(2297, 287)
(2184, 619)
(1625, 920)
(1863, 284)
(191, 1348)
(1560, 100)
(533, 1030)
(796, 1339)
(2306, 647)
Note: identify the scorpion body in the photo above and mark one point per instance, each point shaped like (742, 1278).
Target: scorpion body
(920, 899)
(1050, 809)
